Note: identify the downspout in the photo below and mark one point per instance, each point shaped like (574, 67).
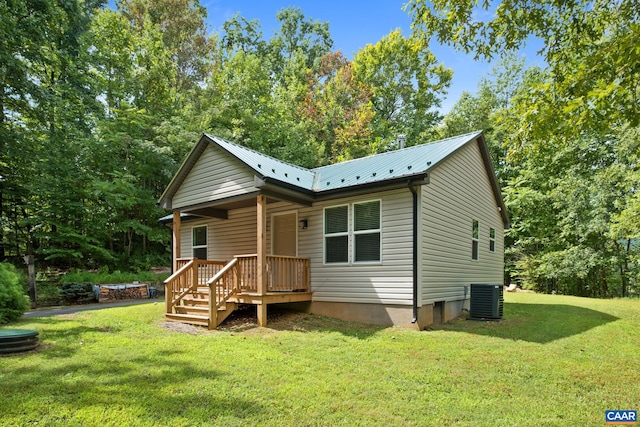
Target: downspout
(415, 251)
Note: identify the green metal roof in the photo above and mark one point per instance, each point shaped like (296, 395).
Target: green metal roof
(378, 170)
(392, 165)
(267, 166)
(396, 164)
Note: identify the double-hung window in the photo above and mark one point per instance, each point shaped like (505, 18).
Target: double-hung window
(357, 224)
(336, 234)
(199, 242)
(366, 231)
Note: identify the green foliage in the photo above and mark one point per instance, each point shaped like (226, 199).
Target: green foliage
(564, 138)
(546, 348)
(338, 110)
(406, 84)
(77, 293)
(103, 276)
(13, 301)
(48, 294)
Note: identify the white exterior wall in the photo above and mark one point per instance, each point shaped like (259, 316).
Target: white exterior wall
(216, 175)
(458, 193)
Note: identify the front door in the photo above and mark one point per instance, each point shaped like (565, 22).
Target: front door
(285, 234)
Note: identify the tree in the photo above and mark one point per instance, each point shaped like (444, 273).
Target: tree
(339, 110)
(184, 35)
(572, 189)
(406, 84)
(306, 38)
(489, 109)
(240, 34)
(589, 46)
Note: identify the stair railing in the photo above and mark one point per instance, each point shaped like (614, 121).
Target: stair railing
(223, 285)
(179, 283)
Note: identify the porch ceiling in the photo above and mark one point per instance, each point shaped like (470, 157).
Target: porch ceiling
(221, 209)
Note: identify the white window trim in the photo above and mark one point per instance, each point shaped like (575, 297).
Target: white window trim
(206, 245)
(476, 240)
(342, 233)
(492, 240)
(370, 231)
(275, 214)
(350, 233)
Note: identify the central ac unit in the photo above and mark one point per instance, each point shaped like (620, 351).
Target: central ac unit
(487, 301)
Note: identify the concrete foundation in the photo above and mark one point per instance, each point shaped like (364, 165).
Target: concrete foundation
(386, 315)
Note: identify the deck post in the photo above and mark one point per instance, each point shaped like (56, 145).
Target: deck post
(262, 314)
(262, 256)
(176, 240)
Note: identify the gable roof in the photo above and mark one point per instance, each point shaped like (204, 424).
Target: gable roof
(398, 164)
(380, 170)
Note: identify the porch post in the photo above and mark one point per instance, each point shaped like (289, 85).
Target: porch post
(262, 256)
(176, 240)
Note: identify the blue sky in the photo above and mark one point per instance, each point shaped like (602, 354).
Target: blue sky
(353, 25)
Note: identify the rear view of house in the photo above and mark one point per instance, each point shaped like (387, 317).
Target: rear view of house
(392, 239)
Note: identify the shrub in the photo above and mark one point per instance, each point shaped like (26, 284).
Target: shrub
(48, 294)
(13, 302)
(77, 293)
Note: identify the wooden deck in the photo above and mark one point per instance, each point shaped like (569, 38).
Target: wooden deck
(188, 291)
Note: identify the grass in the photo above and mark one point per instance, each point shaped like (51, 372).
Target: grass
(554, 360)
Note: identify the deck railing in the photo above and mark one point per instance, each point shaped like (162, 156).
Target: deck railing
(284, 273)
(223, 285)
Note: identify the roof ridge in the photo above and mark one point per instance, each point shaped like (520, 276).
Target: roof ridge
(396, 151)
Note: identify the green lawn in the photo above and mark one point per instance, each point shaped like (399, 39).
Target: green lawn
(554, 360)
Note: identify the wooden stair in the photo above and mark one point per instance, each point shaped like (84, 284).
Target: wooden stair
(194, 309)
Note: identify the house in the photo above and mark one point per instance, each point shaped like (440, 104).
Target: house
(393, 239)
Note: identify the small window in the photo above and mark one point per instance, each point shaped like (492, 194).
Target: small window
(366, 230)
(336, 234)
(199, 242)
(492, 239)
(474, 240)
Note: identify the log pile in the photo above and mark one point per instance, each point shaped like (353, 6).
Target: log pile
(122, 292)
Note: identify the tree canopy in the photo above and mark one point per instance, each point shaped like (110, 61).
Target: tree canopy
(99, 105)
(565, 138)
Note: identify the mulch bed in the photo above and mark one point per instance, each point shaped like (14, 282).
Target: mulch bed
(242, 319)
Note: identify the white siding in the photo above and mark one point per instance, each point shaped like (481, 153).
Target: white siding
(215, 176)
(458, 193)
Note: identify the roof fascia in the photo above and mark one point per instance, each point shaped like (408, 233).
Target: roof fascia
(493, 179)
(373, 187)
(282, 190)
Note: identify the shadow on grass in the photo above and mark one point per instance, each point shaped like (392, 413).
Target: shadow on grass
(60, 342)
(538, 323)
(285, 319)
(160, 388)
